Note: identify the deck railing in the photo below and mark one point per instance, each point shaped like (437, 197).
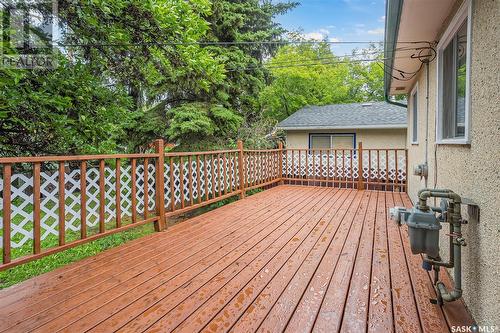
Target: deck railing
(53, 203)
(375, 169)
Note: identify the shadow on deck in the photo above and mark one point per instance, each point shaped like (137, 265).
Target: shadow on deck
(291, 258)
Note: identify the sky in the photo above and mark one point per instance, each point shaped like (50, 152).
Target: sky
(338, 20)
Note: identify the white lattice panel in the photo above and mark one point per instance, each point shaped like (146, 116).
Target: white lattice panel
(259, 168)
(345, 166)
(22, 209)
(22, 200)
(218, 176)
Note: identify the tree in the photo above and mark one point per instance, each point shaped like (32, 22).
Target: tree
(200, 122)
(242, 21)
(66, 110)
(310, 74)
(118, 58)
(249, 21)
(148, 46)
(131, 71)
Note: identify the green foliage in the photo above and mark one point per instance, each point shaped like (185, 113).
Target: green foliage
(245, 76)
(117, 63)
(190, 120)
(226, 122)
(65, 110)
(187, 115)
(260, 134)
(312, 75)
(199, 121)
(130, 43)
(130, 71)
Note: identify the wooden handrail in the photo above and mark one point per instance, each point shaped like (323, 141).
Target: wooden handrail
(200, 153)
(44, 159)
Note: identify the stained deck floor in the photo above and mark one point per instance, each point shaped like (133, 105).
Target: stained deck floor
(291, 258)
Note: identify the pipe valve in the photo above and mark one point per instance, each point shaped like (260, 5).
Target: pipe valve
(397, 214)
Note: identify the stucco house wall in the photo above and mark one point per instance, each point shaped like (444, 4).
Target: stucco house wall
(470, 170)
(371, 138)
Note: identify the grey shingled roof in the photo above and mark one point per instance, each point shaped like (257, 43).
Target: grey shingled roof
(355, 115)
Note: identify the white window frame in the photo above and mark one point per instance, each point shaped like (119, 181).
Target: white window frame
(463, 13)
(414, 115)
(332, 135)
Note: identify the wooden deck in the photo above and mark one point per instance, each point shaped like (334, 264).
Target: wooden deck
(291, 258)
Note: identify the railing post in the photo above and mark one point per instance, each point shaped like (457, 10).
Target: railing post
(7, 213)
(241, 169)
(280, 164)
(406, 170)
(160, 185)
(361, 184)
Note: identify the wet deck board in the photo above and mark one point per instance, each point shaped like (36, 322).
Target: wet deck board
(292, 258)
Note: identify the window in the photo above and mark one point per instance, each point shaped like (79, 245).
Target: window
(332, 141)
(320, 142)
(414, 116)
(454, 63)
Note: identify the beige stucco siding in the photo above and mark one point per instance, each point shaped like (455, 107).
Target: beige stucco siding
(471, 170)
(371, 138)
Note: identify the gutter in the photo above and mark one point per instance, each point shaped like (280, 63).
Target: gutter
(303, 128)
(393, 17)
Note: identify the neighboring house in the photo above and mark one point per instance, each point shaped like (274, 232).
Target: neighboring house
(342, 126)
(456, 131)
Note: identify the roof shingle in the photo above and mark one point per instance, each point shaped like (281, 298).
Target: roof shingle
(354, 115)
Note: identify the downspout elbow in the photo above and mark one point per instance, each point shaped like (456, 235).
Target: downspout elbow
(449, 296)
(388, 100)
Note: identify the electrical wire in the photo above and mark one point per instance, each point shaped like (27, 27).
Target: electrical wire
(332, 57)
(338, 57)
(402, 73)
(423, 58)
(309, 64)
(208, 43)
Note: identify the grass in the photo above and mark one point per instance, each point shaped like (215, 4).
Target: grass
(26, 271)
(23, 272)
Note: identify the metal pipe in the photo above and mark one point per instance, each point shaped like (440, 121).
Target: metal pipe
(456, 242)
(434, 190)
(426, 194)
(456, 293)
(427, 120)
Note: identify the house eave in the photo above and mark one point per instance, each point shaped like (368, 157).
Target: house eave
(410, 25)
(354, 127)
